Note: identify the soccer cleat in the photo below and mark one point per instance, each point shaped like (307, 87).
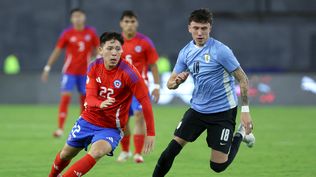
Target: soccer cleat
(248, 139)
(124, 156)
(58, 133)
(138, 158)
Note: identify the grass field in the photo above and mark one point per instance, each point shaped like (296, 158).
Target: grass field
(285, 145)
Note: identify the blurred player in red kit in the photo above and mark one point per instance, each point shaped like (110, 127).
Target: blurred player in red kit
(139, 50)
(111, 84)
(80, 42)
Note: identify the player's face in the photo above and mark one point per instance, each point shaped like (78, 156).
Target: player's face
(129, 25)
(111, 52)
(78, 18)
(200, 32)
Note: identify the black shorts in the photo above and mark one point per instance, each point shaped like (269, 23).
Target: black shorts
(220, 128)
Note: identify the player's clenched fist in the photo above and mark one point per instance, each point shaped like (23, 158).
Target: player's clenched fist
(182, 77)
(149, 144)
(107, 102)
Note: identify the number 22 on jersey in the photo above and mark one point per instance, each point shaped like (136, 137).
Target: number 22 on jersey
(106, 92)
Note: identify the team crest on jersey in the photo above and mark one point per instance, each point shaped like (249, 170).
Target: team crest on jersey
(138, 48)
(73, 39)
(87, 37)
(207, 58)
(117, 84)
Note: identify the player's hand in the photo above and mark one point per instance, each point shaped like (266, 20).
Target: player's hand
(44, 76)
(182, 77)
(149, 144)
(107, 102)
(246, 121)
(156, 95)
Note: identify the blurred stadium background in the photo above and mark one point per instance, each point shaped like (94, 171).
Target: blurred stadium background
(274, 40)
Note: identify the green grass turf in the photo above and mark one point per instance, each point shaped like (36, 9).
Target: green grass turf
(285, 147)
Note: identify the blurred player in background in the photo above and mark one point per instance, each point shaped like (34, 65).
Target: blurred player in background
(80, 42)
(140, 51)
(111, 84)
(213, 67)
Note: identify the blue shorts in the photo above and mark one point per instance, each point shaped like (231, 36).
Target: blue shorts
(69, 81)
(84, 133)
(135, 106)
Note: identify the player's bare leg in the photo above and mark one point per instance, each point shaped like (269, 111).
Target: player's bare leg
(69, 152)
(82, 166)
(63, 159)
(139, 136)
(125, 154)
(168, 155)
(62, 114)
(100, 149)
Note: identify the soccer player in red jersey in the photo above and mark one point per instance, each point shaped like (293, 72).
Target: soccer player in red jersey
(80, 42)
(111, 83)
(139, 50)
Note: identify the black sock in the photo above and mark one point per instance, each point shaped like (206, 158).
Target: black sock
(219, 167)
(166, 159)
(234, 148)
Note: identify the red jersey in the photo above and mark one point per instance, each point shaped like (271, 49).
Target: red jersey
(120, 83)
(79, 46)
(141, 52)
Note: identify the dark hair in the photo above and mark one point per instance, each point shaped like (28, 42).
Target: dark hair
(128, 13)
(77, 10)
(107, 36)
(201, 16)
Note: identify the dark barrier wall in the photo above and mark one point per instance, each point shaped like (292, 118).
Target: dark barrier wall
(274, 35)
(267, 89)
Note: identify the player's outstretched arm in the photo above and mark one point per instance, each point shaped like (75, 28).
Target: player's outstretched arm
(51, 60)
(140, 91)
(176, 79)
(150, 125)
(142, 96)
(242, 78)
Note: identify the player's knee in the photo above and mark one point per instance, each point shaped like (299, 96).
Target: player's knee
(98, 153)
(65, 155)
(218, 167)
(180, 141)
(139, 118)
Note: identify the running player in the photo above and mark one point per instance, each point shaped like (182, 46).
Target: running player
(139, 50)
(80, 42)
(213, 67)
(111, 83)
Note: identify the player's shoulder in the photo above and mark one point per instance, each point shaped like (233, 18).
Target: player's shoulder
(95, 63)
(129, 70)
(218, 45)
(145, 39)
(187, 48)
(126, 66)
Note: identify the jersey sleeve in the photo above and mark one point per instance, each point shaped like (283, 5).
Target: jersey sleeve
(227, 59)
(62, 40)
(150, 51)
(92, 89)
(140, 91)
(180, 64)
